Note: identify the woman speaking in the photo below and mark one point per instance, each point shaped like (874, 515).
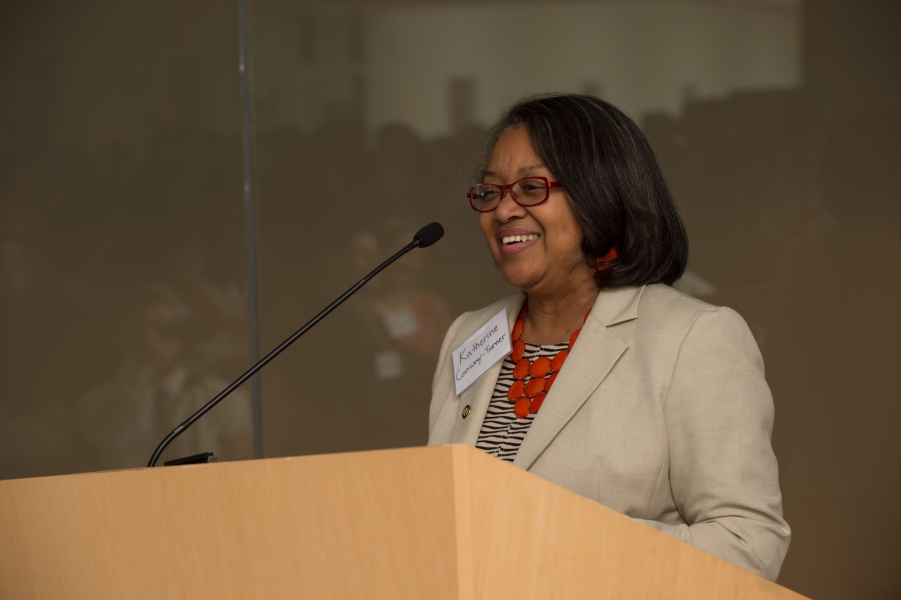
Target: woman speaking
(618, 387)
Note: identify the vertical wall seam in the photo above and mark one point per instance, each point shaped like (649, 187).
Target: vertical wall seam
(250, 225)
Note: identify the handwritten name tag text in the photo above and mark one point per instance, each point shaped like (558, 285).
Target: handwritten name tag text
(480, 352)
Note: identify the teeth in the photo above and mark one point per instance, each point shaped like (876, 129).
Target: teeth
(512, 239)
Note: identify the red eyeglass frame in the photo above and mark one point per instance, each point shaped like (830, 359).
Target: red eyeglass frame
(547, 189)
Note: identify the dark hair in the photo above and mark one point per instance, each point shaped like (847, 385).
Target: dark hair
(613, 182)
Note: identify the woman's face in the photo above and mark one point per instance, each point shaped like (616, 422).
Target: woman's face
(550, 260)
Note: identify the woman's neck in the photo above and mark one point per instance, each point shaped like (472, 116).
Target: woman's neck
(553, 319)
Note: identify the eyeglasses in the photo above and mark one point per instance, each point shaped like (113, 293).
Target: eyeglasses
(485, 197)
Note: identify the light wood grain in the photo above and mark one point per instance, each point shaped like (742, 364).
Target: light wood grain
(362, 525)
(533, 539)
(445, 522)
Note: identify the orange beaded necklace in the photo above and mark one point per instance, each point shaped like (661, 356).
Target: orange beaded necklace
(528, 397)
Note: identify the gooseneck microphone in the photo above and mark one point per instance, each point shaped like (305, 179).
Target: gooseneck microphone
(424, 238)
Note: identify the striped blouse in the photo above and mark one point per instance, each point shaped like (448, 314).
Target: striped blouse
(502, 431)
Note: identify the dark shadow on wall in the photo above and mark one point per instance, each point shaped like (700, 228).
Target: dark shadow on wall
(834, 340)
(335, 202)
(123, 302)
(124, 299)
(793, 212)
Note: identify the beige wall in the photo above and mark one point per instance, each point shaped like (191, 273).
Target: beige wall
(647, 56)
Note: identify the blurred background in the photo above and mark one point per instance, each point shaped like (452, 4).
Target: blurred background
(125, 278)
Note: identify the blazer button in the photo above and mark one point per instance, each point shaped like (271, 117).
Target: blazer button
(466, 411)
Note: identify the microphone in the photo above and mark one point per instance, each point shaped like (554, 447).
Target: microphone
(424, 238)
(428, 235)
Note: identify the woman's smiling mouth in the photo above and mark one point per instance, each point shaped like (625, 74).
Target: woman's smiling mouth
(514, 244)
(512, 239)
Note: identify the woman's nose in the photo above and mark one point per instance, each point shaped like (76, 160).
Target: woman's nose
(507, 208)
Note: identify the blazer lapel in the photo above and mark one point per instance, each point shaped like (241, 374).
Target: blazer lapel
(588, 363)
(478, 396)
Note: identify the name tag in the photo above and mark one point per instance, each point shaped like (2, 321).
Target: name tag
(488, 345)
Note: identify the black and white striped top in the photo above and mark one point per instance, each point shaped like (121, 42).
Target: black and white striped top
(502, 431)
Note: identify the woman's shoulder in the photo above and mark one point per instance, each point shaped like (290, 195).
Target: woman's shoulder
(667, 300)
(662, 312)
(664, 300)
(664, 309)
(657, 303)
(659, 308)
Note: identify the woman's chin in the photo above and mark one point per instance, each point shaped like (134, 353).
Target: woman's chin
(520, 278)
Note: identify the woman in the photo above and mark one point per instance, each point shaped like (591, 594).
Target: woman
(661, 410)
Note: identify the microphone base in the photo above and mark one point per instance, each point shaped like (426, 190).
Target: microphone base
(194, 459)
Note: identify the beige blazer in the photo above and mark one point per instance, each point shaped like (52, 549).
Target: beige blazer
(661, 413)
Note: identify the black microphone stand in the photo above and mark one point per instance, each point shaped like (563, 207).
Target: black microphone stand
(426, 236)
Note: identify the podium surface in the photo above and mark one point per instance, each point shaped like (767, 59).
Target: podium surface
(446, 522)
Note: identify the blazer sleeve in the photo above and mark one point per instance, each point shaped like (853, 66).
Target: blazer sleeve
(723, 473)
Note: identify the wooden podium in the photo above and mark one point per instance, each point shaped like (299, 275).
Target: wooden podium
(424, 523)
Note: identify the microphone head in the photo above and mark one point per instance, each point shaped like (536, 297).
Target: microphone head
(429, 234)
